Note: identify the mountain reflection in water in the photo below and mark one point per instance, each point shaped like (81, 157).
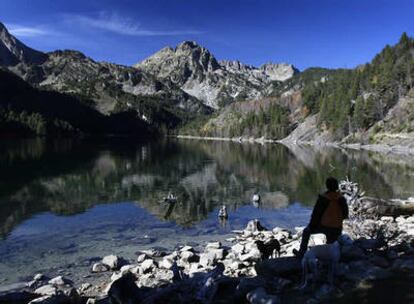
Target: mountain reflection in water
(68, 177)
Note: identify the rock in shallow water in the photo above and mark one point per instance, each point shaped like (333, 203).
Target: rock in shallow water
(99, 267)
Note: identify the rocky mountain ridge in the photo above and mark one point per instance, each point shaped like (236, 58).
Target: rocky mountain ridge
(216, 83)
(107, 87)
(172, 86)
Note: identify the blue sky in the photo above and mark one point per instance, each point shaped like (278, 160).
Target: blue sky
(327, 33)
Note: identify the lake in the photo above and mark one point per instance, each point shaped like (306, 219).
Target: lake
(67, 203)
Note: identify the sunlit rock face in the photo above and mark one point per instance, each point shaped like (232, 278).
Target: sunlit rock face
(194, 69)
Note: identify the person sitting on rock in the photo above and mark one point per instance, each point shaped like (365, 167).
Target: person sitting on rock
(327, 216)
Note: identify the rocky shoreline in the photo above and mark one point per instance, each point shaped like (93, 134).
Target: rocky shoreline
(378, 247)
(382, 148)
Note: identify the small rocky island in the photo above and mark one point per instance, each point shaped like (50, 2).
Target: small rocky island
(379, 246)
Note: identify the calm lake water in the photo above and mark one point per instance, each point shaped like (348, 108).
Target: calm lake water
(65, 204)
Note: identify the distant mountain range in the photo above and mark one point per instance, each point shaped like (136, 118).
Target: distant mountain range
(166, 90)
(179, 89)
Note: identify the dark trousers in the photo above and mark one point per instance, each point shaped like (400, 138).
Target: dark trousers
(332, 234)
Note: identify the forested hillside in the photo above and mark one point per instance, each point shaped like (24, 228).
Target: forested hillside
(26, 111)
(347, 102)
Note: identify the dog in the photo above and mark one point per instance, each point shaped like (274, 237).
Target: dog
(329, 253)
(268, 249)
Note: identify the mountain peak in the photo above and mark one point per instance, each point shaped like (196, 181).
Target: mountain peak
(188, 45)
(13, 51)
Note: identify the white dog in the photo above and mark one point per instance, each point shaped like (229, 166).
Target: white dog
(329, 253)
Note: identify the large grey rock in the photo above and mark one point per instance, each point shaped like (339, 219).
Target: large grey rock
(112, 261)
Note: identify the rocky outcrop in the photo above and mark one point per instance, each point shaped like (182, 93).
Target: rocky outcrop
(265, 73)
(279, 71)
(308, 132)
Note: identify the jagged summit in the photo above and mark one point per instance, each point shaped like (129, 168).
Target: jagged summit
(13, 51)
(188, 44)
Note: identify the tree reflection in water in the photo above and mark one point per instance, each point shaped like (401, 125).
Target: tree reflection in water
(68, 177)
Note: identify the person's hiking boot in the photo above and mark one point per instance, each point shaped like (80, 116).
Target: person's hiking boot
(298, 253)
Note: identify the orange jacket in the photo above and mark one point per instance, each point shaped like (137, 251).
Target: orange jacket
(330, 210)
